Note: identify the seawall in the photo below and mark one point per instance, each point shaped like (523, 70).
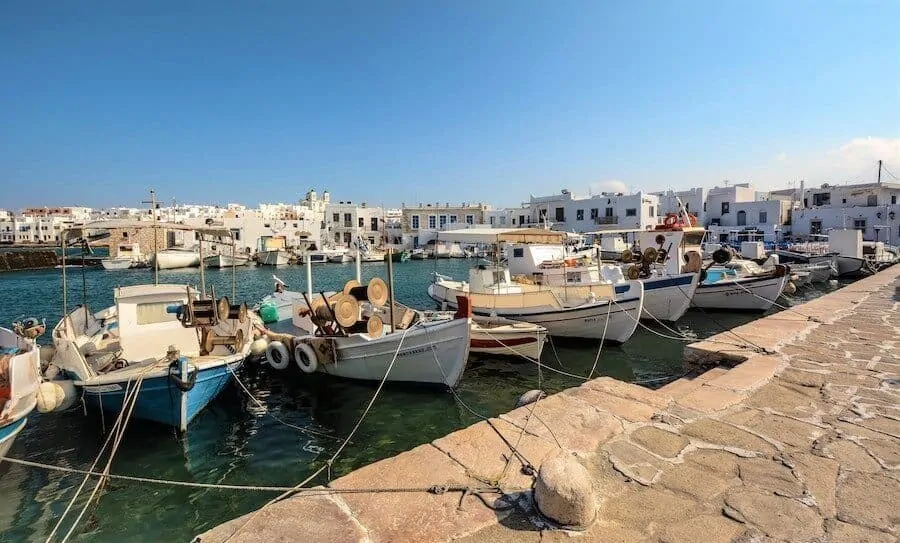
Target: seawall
(792, 434)
(27, 260)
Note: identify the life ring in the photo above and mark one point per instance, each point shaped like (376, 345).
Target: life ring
(306, 357)
(277, 355)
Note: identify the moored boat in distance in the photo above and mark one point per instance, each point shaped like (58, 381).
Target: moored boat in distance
(128, 256)
(175, 258)
(273, 257)
(740, 285)
(225, 260)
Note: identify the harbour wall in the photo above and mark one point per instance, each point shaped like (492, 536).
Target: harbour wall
(27, 260)
(792, 433)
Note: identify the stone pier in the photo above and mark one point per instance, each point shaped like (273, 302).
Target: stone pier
(792, 434)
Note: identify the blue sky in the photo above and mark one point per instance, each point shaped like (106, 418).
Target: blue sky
(391, 102)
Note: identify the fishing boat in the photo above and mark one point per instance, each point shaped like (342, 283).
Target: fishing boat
(225, 260)
(361, 334)
(818, 272)
(740, 285)
(418, 254)
(400, 256)
(273, 257)
(20, 377)
(339, 257)
(162, 352)
(128, 256)
(497, 336)
(175, 258)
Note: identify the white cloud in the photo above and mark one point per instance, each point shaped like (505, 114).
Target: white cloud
(611, 185)
(781, 157)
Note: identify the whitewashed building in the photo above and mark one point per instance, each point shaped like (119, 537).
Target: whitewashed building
(606, 211)
(693, 200)
(345, 221)
(872, 208)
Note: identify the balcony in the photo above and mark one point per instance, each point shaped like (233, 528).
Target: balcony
(607, 220)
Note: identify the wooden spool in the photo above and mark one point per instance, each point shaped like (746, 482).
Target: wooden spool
(375, 326)
(238, 312)
(211, 339)
(376, 292)
(346, 310)
(351, 284)
(223, 307)
(201, 313)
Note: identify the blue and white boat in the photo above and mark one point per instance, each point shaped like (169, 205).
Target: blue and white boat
(141, 343)
(20, 377)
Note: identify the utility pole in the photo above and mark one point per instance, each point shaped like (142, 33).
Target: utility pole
(879, 172)
(153, 204)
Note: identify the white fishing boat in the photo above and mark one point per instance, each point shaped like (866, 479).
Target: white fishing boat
(161, 352)
(225, 260)
(501, 337)
(20, 377)
(175, 258)
(354, 335)
(740, 285)
(418, 254)
(818, 272)
(273, 257)
(128, 256)
(340, 257)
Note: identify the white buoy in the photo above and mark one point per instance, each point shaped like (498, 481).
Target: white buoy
(55, 396)
(258, 347)
(832, 283)
(790, 288)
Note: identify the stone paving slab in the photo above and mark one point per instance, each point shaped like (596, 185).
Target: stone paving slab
(800, 442)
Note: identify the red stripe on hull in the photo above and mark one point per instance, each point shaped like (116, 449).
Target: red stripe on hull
(494, 343)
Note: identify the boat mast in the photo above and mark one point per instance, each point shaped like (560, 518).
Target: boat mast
(152, 203)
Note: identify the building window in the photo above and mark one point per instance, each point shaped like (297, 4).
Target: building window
(503, 220)
(742, 218)
(725, 208)
(362, 222)
(492, 220)
(630, 212)
(843, 200)
(872, 200)
(336, 217)
(513, 221)
(470, 219)
(763, 217)
(815, 227)
(452, 219)
(594, 213)
(893, 199)
(374, 221)
(608, 212)
(432, 221)
(415, 222)
(443, 221)
(823, 199)
(652, 214)
(348, 237)
(579, 215)
(337, 237)
(521, 220)
(560, 214)
(859, 224)
(124, 235)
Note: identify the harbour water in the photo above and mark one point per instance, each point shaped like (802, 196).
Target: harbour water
(236, 441)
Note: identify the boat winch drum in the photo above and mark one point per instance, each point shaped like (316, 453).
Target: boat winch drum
(375, 326)
(650, 255)
(277, 355)
(346, 310)
(375, 292)
(306, 357)
(721, 256)
(634, 272)
(627, 256)
(351, 284)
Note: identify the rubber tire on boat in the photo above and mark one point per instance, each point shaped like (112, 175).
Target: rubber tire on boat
(277, 355)
(306, 357)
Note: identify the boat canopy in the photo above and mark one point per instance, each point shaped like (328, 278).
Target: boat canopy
(498, 235)
(80, 230)
(620, 231)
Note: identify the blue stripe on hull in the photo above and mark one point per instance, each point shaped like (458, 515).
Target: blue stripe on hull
(10, 429)
(661, 283)
(159, 399)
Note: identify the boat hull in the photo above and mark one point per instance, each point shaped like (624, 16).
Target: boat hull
(117, 264)
(172, 260)
(225, 261)
(667, 298)
(431, 353)
(159, 399)
(748, 294)
(274, 258)
(508, 341)
(848, 266)
(8, 434)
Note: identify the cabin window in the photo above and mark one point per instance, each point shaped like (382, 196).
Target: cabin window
(630, 212)
(415, 222)
(518, 252)
(872, 200)
(432, 221)
(725, 207)
(579, 215)
(595, 212)
(859, 224)
(156, 312)
(763, 217)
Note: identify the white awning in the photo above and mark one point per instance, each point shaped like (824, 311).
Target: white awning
(497, 235)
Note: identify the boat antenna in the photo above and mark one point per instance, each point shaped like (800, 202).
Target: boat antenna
(153, 206)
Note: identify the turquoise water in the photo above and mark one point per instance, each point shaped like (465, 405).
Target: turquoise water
(235, 441)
